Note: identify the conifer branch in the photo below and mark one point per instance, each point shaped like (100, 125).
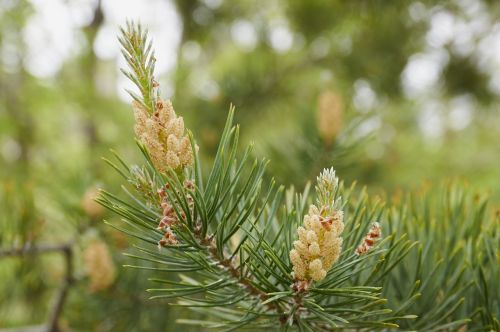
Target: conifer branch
(230, 239)
(247, 255)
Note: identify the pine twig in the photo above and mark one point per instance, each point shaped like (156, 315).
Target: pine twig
(33, 250)
(138, 52)
(235, 273)
(52, 324)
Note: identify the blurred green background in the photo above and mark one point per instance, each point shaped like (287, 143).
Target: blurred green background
(392, 94)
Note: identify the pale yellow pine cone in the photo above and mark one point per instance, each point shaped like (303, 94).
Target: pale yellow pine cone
(319, 243)
(99, 265)
(163, 135)
(89, 205)
(329, 115)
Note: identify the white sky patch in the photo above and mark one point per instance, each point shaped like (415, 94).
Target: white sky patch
(203, 16)
(489, 52)
(480, 23)
(81, 11)
(461, 113)
(464, 40)
(459, 31)
(423, 71)
(49, 36)
(52, 33)
(244, 34)
(364, 97)
(494, 84)
(191, 51)
(280, 36)
(104, 46)
(472, 33)
(213, 4)
(164, 26)
(471, 7)
(417, 11)
(52, 36)
(441, 29)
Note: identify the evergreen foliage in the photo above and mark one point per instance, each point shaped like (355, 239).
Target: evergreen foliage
(454, 272)
(60, 112)
(227, 254)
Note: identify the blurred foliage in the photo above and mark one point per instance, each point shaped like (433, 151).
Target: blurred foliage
(53, 131)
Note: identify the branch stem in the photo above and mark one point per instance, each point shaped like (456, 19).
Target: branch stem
(208, 242)
(33, 250)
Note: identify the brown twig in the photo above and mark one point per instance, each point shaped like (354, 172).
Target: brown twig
(33, 250)
(235, 273)
(56, 311)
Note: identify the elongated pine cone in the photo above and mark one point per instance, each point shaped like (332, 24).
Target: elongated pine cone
(99, 265)
(163, 135)
(319, 243)
(169, 219)
(374, 234)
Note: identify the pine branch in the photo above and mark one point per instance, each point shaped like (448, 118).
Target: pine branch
(230, 239)
(226, 242)
(261, 266)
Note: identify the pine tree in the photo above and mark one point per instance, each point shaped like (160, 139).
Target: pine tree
(246, 253)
